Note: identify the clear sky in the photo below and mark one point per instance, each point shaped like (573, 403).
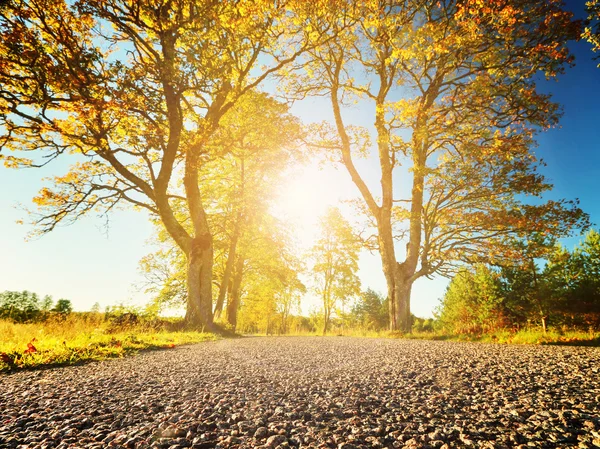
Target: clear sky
(89, 262)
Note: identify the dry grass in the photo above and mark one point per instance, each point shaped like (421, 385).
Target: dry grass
(533, 336)
(77, 339)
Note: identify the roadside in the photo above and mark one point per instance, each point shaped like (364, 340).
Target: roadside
(74, 339)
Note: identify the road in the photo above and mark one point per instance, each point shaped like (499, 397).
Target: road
(331, 392)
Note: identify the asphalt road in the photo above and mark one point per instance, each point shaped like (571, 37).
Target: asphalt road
(312, 392)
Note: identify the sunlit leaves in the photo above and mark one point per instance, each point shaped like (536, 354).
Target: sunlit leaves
(592, 32)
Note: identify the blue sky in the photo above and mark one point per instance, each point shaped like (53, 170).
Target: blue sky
(87, 262)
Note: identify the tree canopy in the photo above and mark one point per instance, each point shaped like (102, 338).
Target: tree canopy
(452, 87)
(157, 106)
(135, 90)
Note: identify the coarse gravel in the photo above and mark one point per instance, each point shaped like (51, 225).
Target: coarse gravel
(336, 392)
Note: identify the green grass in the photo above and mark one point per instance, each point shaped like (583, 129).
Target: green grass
(75, 340)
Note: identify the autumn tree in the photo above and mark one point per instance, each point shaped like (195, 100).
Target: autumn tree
(262, 140)
(256, 142)
(335, 256)
(452, 89)
(266, 284)
(290, 294)
(63, 306)
(133, 90)
(592, 32)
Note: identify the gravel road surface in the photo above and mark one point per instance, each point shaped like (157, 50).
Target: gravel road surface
(292, 392)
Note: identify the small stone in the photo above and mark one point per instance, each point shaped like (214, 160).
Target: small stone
(276, 440)
(173, 432)
(261, 433)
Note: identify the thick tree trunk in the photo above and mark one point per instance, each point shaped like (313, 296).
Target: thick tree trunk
(399, 291)
(390, 278)
(199, 283)
(402, 304)
(233, 303)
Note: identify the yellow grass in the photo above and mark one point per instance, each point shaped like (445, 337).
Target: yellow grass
(77, 339)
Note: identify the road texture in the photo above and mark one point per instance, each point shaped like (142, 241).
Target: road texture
(332, 392)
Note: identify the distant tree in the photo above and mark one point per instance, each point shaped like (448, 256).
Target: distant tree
(289, 297)
(19, 306)
(335, 256)
(371, 310)
(592, 31)
(95, 308)
(47, 303)
(526, 295)
(422, 324)
(473, 302)
(573, 280)
(587, 270)
(63, 306)
(563, 290)
(265, 286)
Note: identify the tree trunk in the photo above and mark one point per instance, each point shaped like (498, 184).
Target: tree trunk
(536, 286)
(544, 325)
(391, 285)
(228, 269)
(325, 325)
(402, 304)
(199, 283)
(234, 299)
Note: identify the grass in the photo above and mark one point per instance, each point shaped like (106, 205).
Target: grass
(79, 338)
(76, 339)
(534, 336)
(567, 337)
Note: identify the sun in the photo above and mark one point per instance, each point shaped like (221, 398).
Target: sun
(307, 192)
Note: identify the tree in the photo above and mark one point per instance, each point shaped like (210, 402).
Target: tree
(573, 280)
(19, 306)
(336, 262)
(592, 33)
(265, 286)
(371, 310)
(261, 140)
(134, 90)
(47, 303)
(63, 306)
(290, 296)
(473, 302)
(452, 87)
(526, 290)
